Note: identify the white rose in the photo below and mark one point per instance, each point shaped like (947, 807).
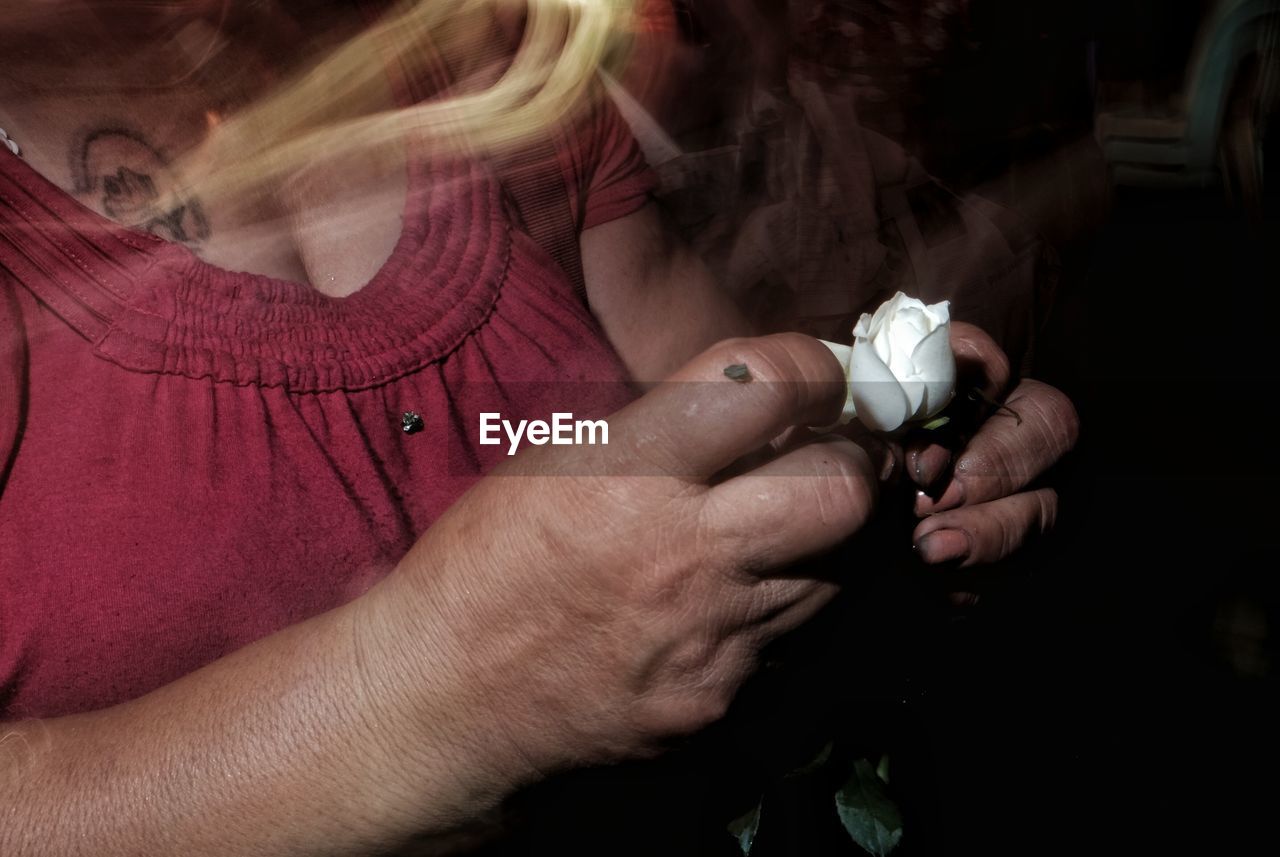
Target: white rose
(900, 367)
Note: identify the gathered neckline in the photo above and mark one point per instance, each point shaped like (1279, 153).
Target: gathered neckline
(153, 305)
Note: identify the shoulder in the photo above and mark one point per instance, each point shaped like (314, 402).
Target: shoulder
(602, 165)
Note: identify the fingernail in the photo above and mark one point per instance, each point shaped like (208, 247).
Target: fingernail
(888, 467)
(943, 546)
(930, 465)
(951, 498)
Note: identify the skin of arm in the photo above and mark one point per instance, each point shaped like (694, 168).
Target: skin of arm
(612, 614)
(405, 717)
(303, 743)
(656, 299)
(332, 737)
(659, 305)
(358, 733)
(338, 736)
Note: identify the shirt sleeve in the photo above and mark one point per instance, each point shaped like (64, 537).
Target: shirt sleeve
(13, 375)
(604, 168)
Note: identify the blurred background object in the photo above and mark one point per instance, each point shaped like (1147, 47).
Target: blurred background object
(1090, 178)
(1209, 126)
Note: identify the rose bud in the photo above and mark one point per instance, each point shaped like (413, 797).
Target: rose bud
(900, 367)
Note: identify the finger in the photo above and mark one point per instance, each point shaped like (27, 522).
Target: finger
(772, 605)
(791, 438)
(927, 461)
(1009, 452)
(804, 599)
(700, 420)
(799, 504)
(887, 456)
(987, 532)
(980, 362)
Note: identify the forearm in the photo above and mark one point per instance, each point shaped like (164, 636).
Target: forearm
(293, 745)
(672, 325)
(658, 303)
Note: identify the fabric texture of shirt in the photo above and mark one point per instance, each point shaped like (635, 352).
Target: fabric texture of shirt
(192, 458)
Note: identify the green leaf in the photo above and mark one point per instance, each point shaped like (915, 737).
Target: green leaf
(882, 769)
(817, 763)
(871, 819)
(937, 423)
(744, 829)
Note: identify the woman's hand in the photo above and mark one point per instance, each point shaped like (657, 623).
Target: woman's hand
(986, 504)
(578, 605)
(595, 602)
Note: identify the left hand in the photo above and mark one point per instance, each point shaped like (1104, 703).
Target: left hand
(983, 502)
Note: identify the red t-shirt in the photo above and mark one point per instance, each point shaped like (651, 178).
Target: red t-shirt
(192, 458)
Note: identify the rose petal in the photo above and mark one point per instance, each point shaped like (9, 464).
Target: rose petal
(878, 399)
(915, 390)
(843, 354)
(914, 323)
(935, 365)
(863, 327)
(902, 301)
(883, 315)
(906, 331)
(940, 312)
(884, 348)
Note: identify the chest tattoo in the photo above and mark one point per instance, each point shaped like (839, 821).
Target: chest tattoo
(131, 181)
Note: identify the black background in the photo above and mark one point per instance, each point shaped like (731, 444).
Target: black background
(1116, 690)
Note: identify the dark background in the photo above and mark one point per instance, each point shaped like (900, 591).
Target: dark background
(1115, 690)
(1118, 693)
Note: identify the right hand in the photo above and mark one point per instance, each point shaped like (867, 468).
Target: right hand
(583, 605)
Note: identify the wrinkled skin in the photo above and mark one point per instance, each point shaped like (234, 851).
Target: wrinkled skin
(983, 502)
(609, 612)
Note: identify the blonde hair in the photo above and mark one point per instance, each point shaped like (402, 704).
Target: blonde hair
(326, 107)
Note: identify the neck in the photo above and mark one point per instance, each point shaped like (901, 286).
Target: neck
(152, 42)
(130, 128)
(124, 25)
